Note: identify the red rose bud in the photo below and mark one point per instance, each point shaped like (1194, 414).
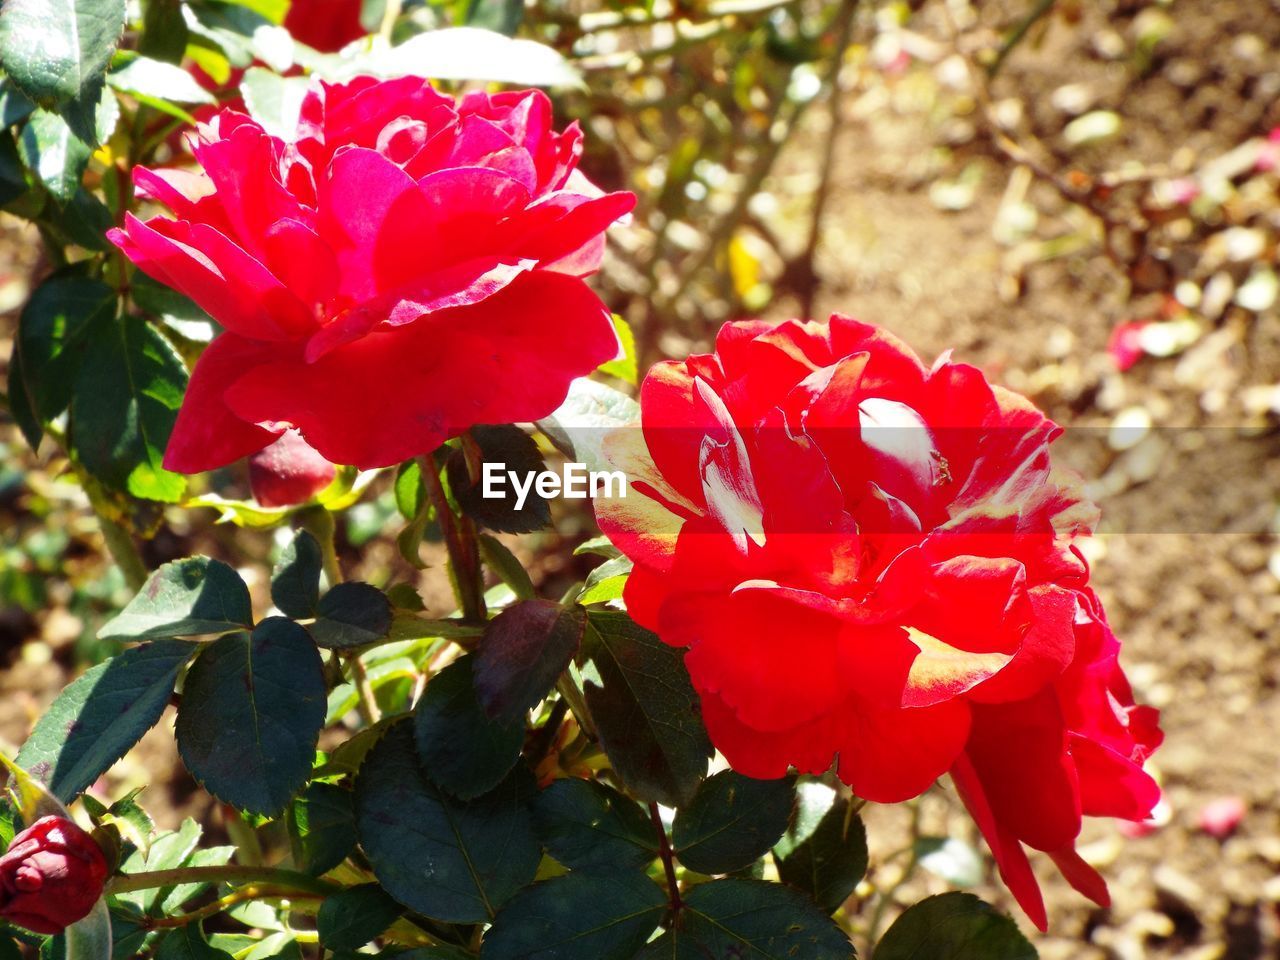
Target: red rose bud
(324, 25)
(870, 561)
(402, 267)
(1219, 818)
(51, 876)
(1124, 346)
(289, 471)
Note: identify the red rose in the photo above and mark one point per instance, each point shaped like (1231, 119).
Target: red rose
(51, 876)
(287, 472)
(1033, 767)
(406, 267)
(324, 25)
(870, 561)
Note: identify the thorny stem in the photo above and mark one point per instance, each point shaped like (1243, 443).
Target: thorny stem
(460, 540)
(244, 894)
(844, 33)
(233, 873)
(319, 523)
(368, 702)
(1012, 150)
(668, 858)
(123, 551)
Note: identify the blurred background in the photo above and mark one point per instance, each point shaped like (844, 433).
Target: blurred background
(1082, 198)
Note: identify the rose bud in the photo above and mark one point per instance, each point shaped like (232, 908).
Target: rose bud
(1124, 346)
(871, 562)
(400, 268)
(51, 876)
(1219, 818)
(324, 25)
(289, 471)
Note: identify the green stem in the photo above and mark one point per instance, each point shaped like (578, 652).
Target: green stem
(668, 858)
(367, 701)
(1016, 36)
(251, 892)
(123, 551)
(460, 540)
(572, 695)
(233, 873)
(319, 523)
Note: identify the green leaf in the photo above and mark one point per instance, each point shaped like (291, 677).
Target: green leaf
(606, 916)
(462, 750)
(829, 863)
(84, 220)
(352, 917)
(415, 507)
(54, 153)
(89, 938)
(409, 492)
(752, 918)
(124, 407)
(504, 563)
(274, 101)
(93, 116)
(523, 651)
(15, 106)
(13, 179)
(588, 414)
(156, 80)
(953, 860)
(585, 824)
(188, 943)
(176, 896)
(99, 717)
(645, 709)
(251, 712)
(322, 823)
(167, 851)
(625, 367)
(444, 858)
(53, 49)
(598, 546)
(512, 450)
(20, 402)
(164, 31)
(228, 27)
(502, 16)
(954, 926)
(178, 312)
(182, 598)
(732, 821)
(295, 581)
(352, 614)
(51, 334)
(606, 581)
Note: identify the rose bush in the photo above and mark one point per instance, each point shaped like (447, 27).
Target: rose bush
(871, 562)
(404, 268)
(51, 876)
